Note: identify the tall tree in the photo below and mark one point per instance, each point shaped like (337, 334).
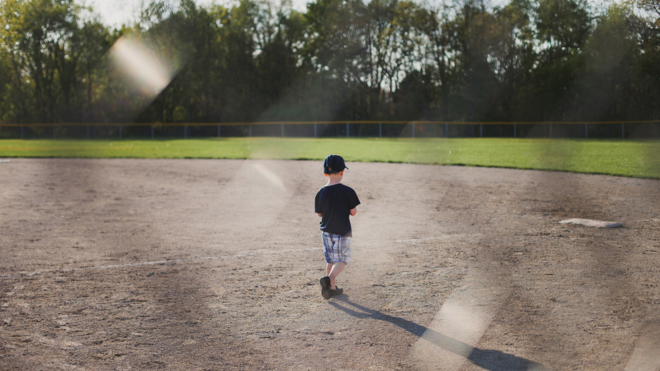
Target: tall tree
(340, 59)
(563, 28)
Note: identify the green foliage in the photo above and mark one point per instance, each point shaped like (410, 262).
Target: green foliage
(528, 60)
(609, 72)
(564, 24)
(613, 157)
(6, 103)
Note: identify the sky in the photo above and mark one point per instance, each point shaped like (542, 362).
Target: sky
(117, 12)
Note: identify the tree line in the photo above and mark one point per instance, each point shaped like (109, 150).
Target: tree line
(529, 60)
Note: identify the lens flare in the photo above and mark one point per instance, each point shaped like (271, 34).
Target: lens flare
(458, 326)
(270, 176)
(646, 355)
(141, 67)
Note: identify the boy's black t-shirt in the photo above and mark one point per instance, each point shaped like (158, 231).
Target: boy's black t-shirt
(335, 203)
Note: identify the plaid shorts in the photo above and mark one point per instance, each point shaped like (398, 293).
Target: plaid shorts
(336, 248)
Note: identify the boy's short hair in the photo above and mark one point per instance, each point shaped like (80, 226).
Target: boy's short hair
(334, 164)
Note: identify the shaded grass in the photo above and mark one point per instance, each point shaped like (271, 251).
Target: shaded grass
(613, 157)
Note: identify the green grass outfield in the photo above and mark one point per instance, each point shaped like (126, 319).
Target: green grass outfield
(613, 157)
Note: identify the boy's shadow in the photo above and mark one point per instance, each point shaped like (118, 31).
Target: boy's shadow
(488, 359)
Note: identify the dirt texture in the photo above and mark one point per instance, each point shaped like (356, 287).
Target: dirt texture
(215, 265)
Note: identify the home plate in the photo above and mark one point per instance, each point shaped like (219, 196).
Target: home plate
(592, 223)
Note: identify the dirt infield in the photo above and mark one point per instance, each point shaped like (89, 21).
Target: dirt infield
(214, 264)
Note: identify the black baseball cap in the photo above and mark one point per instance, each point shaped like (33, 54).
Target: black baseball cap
(333, 164)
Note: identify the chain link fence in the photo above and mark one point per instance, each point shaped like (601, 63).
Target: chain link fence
(319, 129)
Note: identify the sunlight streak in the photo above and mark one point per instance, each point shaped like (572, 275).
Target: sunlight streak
(464, 316)
(140, 67)
(270, 176)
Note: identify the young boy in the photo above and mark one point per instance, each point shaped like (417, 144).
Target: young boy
(334, 203)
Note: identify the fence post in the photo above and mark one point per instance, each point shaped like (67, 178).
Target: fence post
(380, 130)
(250, 130)
(218, 131)
(314, 130)
(515, 134)
(282, 130)
(446, 130)
(347, 130)
(413, 130)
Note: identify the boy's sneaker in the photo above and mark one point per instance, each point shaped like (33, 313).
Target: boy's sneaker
(336, 291)
(325, 287)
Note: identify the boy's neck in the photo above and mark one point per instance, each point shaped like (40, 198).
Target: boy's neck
(334, 179)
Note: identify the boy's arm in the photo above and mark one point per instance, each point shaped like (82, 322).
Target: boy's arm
(317, 205)
(354, 201)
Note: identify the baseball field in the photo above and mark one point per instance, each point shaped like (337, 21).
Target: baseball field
(206, 255)
(633, 158)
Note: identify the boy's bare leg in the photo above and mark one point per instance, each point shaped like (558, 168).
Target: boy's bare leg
(333, 272)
